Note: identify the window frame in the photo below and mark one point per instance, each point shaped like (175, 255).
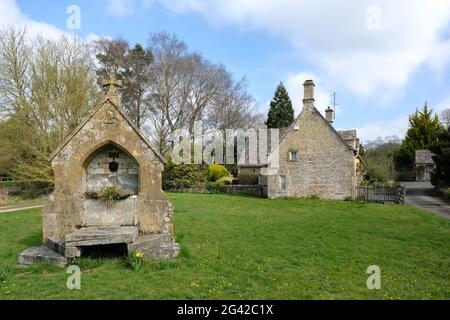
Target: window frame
(280, 182)
(291, 152)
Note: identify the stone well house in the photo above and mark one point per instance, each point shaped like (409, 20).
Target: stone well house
(314, 158)
(106, 150)
(424, 165)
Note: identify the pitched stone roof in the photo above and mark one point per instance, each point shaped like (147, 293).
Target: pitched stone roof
(348, 137)
(114, 101)
(424, 157)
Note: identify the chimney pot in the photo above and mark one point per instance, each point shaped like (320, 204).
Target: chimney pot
(329, 115)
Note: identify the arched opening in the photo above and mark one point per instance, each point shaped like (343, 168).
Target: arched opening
(110, 165)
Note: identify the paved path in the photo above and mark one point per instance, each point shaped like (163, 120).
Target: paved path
(419, 194)
(19, 208)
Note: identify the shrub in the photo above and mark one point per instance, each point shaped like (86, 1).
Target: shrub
(183, 176)
(216, 187)
(233, 169)
(447, 193)
(226, 180)
(247, 179)
(216, 172)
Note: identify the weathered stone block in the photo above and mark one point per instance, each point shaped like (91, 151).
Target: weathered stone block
(40, 254)
(122, 213)
(156, 246)
(93, 236)
(72, 252)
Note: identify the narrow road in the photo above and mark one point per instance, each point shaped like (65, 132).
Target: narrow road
(419, 194)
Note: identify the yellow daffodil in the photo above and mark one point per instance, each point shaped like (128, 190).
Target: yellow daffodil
(139, 254)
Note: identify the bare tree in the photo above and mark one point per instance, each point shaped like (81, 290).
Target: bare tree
(157, 127)
(208, 81)
(234, 108)
(172, 79)
(445, 118)
(189, 88)
(15, 71)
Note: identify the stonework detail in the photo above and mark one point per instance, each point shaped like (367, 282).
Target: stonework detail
(99, 174)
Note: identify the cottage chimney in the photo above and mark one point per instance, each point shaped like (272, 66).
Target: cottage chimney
(308, 101)
(329, 114)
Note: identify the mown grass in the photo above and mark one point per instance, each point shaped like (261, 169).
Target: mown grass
(238, 247)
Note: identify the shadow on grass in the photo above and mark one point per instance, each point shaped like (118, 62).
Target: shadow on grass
(33, 240)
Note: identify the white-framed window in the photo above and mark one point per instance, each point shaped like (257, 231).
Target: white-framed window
(282, 182)
(293, 156)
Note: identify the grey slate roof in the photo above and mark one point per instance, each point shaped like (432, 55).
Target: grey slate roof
(424, 157)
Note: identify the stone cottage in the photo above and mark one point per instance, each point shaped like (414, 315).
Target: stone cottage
(314, 158)
(106, 150)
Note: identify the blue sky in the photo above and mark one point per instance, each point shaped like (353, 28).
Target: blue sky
(383, 59)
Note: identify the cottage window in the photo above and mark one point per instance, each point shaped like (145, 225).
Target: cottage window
(282, 182)
(293, 156)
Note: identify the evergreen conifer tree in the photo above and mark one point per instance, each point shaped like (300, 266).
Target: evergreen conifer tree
(281, 112)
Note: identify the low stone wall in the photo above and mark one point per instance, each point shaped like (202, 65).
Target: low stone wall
(251, 190)
(254, 190)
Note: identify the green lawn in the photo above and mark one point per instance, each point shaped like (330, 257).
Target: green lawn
(237, 247)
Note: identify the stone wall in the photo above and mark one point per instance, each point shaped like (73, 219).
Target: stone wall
(99, 174)
(251, 190)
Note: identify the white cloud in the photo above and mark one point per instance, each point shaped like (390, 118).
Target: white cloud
(10, 15)
(123, 8)
(379, 130)
(367, 52)
(120, 7)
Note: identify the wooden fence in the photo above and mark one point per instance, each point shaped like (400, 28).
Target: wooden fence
(378, 194)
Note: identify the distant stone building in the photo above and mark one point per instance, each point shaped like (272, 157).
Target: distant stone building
(424, 165)
(314, 158)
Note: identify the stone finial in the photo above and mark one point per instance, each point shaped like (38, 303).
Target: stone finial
(111, 85)
(308, 101)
